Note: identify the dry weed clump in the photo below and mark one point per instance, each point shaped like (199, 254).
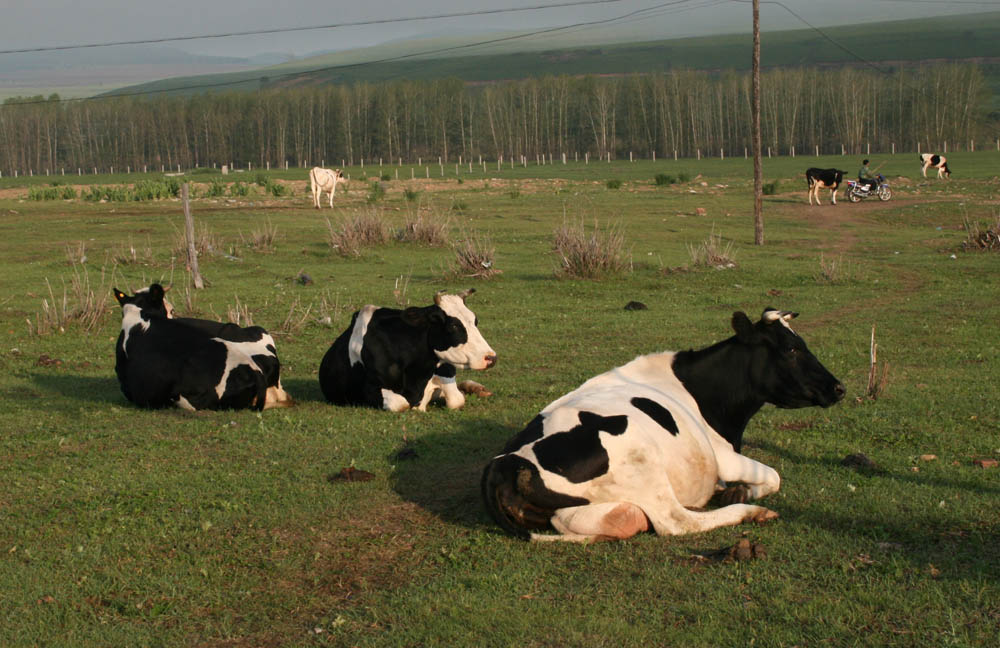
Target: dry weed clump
(239, 314)
(205, 242)
(590, 256)
(261, 239)
(79, 304)
(362, 230)
(831, 270)
(430, 230)
(132, 254)
(713, 253)
(982, 237)
(475, 256)
(877, 378)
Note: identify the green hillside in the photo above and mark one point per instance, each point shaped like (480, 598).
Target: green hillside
(967, 37)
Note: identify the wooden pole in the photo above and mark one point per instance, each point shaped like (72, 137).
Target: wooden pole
(758, 171)
(189, 235)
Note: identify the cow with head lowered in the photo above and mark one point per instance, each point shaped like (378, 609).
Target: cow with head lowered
(192, 363)
(935, 161)
(646, 444)
(400, 359)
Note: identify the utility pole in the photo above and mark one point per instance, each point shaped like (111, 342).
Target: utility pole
(758, 172)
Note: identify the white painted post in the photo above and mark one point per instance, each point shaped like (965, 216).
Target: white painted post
(654, 156)
(722, 154)
(768, 151)
(868, 148)
(427, 170)
(397, 174)
(946, 146)
(744, 153)
(972, 146)
(112, 170)
(893, 148)
(470, 166)
(79, 171)
(675, 154)
(842, 152)
(586, 156)
(630, 156)
(699, 153)
(793, 151)
(412, 174)
(268, 165)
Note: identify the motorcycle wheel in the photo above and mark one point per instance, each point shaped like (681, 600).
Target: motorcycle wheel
(885, 193)
(853, 196)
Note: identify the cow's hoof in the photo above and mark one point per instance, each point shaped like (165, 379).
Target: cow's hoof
(738, 494)
(472, 387)
(763, 515)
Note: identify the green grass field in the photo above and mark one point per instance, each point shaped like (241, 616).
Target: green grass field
(123, 527)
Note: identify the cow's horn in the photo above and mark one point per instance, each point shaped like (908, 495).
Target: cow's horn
(465, 293)
(773, 315)
(437, 297)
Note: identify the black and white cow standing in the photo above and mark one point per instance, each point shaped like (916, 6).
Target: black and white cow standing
(161, 362)
(644, 444)
(400, 359)
(933, 160)
(818, 179)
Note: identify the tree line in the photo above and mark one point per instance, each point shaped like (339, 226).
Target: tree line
(683, 113)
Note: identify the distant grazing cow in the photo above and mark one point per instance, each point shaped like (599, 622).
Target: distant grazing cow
(397, 359)
(935, 161)
(321, 180)
(823, 179)
(163, 362)
(647, 443)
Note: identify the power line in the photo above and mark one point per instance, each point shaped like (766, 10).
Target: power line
(283, 30)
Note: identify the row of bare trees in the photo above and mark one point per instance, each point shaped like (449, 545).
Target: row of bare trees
(682, 112)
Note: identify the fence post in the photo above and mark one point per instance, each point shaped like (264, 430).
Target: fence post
(793, 151)
(189, 234)
(893, 148)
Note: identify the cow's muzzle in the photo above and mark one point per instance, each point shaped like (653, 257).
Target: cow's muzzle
(490, 360)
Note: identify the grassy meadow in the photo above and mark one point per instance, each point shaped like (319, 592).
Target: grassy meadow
(124, 527)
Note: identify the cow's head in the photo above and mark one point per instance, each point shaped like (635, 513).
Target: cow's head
(457, 339)
(149, 300)
(782, 369)
(946, 170)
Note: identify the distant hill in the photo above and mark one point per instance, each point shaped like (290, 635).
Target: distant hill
(969, 37)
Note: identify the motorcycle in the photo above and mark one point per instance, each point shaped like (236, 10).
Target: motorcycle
(857, 191)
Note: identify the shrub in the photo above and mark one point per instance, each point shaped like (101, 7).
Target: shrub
(238, 189)
(590, 256)
(459, 205)
(80, 304)
(713, 253)
(411, 194)
(430, 231)
(614, 183)
(376, 193)
(981, 236)
(664, 179)
(276, 189)
(44, 193)
(386, 177)
(683, 176)
(770, 189)
(261, 179)
(216, 189)
(514, 192)
(261, 239)
(475, 256)
(357, 232)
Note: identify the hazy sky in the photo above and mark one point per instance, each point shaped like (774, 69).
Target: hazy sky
(42, 23)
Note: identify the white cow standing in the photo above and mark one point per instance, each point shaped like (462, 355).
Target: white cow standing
(321, 180)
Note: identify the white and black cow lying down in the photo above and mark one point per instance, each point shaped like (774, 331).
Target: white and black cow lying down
(321, 180)
(191, 363)
(397, 359)
(818, 179)
(644, 444)
(935, 161)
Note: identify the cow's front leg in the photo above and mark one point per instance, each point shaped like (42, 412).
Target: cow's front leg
(394, 402)
(760, 480)
(431, 391)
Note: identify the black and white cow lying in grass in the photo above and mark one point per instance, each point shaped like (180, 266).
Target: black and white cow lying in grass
(818, 179)
(935, 161)
(647, 443)
(190, 363)
(397, 359)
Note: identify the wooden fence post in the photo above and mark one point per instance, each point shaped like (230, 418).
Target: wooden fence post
(189, 235)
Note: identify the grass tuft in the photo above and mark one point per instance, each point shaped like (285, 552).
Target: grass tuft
(590, 256)
(475, 256)
(713, 253)
(364, 229)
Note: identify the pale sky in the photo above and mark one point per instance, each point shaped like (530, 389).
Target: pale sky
(44, 23)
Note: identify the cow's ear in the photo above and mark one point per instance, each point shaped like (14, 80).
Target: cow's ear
(120, 296)
(743, 327)
(156, 291)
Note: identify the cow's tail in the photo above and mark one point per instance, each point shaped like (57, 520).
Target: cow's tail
(516, 497)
